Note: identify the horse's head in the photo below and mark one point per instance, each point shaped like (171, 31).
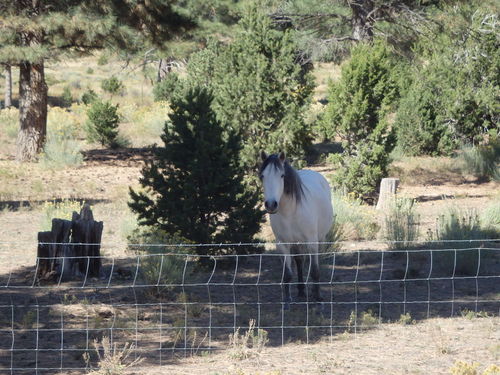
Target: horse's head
(272, 175)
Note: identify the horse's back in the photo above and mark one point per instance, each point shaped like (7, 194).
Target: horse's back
(318, 197)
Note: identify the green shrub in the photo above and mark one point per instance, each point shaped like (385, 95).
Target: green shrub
(352, 219)
(89, 96)
(359, 101)
(102, 125)
(454, 95)
(90, 71)
(459, 227)
(362, 172)
(103, 59)
(260, 88)
(164, 89)
(490, 217)
(194, 184)
(357, 113)
(482, 161)
(112, 85)
(419, 123)
(401, 223)
(67, 97)
(62, 148)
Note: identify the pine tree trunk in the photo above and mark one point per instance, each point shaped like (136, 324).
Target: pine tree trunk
(8, 86)
(32, 111)
(362, 24)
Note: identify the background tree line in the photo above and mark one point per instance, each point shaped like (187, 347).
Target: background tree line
(417, 78)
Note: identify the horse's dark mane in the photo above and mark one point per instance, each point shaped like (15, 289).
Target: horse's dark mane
(293, 184)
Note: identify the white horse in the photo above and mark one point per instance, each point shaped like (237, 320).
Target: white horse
(300, 208)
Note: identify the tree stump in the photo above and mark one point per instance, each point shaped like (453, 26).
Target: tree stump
(388, 189)
(72, 248)
(87, 235)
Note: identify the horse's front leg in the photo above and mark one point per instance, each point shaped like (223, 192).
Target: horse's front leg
(300, 276)
(287, 273)
(313, 250)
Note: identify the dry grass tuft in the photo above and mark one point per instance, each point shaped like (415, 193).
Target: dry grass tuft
(113, 360)
(249, 344)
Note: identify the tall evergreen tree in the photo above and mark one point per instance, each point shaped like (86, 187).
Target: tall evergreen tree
(32, 31)
(327, 28)
(194, 185)
(359, 104)
(261, 90)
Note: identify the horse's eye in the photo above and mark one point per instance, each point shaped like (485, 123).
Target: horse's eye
(282, 176)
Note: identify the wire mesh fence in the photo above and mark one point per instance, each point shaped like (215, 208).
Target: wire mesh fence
(176, 302)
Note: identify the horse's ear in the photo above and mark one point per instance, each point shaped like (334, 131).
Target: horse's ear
(263, 155)
(282, 156)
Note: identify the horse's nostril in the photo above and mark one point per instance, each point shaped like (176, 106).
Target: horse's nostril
(271, 205)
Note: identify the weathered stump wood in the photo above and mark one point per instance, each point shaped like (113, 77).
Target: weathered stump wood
(44, 254)
(71, 249)
(388, 190)
(87, 234)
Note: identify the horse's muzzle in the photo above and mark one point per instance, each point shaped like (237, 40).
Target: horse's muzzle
(271, 206)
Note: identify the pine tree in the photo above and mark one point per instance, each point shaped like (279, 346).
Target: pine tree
(194, 185)
(327, 29)
(103, 122)
(261, 89)
(357, 113)
(32, 31)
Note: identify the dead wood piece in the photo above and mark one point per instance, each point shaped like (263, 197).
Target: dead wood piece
(72, 248)
(388, 190)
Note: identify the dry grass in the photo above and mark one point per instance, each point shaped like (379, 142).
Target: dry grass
(111, 359)
(76, 75)
(323, 73)
(426, 170)
(430, 347)
(249, 344)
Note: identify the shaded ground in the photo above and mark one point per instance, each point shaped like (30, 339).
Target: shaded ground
(49, 325)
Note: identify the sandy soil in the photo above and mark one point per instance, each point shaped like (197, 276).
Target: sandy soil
(431, 347)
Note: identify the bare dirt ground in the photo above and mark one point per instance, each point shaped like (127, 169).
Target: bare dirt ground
(429, 347)
(105, 177)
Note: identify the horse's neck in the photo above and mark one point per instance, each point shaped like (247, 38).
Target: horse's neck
(288, 205)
